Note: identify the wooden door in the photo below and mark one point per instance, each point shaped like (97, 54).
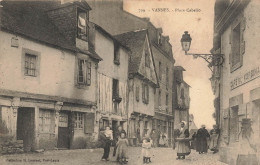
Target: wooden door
(63, 130)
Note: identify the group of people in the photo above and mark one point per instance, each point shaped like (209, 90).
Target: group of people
(121, 144)
(159, 139)
(200, 140)
(120, 141)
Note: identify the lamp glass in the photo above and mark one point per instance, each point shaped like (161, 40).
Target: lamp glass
(185, 46)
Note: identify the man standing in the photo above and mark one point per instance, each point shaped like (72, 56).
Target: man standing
(154, 137)
(202, 135)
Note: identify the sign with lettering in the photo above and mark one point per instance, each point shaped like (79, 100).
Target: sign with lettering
(245, 78)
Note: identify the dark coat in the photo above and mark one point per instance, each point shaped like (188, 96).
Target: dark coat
(102, 140)
(202, 135)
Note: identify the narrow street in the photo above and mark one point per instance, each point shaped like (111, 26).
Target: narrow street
(162, 156)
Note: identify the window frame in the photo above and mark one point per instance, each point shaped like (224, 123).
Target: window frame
(147, 59)
(30, 59)
(44, 116)
(86, 71)
(116, 53)
(37, 54)
(145, 93)
(78, 121)
(160, 70)
(86, 34)
(240, 47)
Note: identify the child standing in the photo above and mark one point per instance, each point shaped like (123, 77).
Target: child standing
(121, 151)
(146, 147)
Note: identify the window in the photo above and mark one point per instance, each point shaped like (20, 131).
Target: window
(137, 93)
(160, 70)
(167, 78)
(84, 72)
(145, 93)
(160, 38)
(116, 54)
(115, 88)
(82, 25)
(182, 94)
(30, 64)
(147, 59)
(237, 43)
(159, 98)
(46, 121)
(78, 120)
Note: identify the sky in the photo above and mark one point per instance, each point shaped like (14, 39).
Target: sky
(199, 24)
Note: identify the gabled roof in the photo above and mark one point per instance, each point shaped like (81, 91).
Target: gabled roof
(109, 35)
(30, 19)
(134, 40)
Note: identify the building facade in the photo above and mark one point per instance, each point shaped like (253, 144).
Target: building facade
(112, 78)
(48, 75)
(142, 84)
(181, 98)
(236, 84)
(118, 21)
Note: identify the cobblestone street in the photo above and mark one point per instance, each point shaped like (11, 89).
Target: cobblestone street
(162, 156)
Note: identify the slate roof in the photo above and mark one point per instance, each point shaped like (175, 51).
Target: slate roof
(134, 40)
(29, 19)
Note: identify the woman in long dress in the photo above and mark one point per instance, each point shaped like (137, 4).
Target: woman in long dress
(183, 145)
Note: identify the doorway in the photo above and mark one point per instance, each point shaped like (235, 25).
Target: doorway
(25, 127)
(63, 130)
(234, 125)
(114, 128)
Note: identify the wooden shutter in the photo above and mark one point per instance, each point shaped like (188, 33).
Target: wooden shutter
(89, 121)
(242, 42)
(88, 73)
(137, 93)
(143, 93)
(147, 99)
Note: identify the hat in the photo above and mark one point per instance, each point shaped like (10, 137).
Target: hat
(203, 126)
(184, 122)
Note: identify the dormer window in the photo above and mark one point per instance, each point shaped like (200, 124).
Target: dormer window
(160, 38)
(82, 25)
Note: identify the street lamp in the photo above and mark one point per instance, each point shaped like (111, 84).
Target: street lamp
(212, 59)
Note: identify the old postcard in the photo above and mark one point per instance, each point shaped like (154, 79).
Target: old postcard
(129, 82)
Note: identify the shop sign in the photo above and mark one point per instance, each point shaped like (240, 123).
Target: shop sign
(245, 78)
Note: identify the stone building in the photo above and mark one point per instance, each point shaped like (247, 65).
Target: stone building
(112, 78)
(48, 75)
(112, 17)
(142, 84)
(181, 101)
(236, 84)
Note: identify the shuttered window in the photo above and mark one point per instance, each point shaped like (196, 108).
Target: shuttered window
(78, 120)
(237, 43)
(84, 72)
